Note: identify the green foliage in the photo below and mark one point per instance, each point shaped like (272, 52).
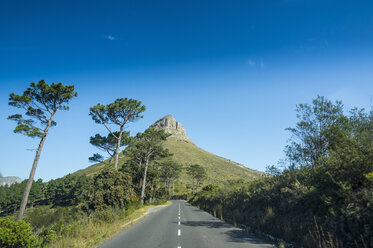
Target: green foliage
(11, 196)
(118, 113)
(67, 191)
(110, 188)
(219, 170)
(16, 234)
(108, 144)
(122, 110)
(142, 156)
(104, 215)
(319, 128)
(40, 101)
(198, 174)
(324, 198)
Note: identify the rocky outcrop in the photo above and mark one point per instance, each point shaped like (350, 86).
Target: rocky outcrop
(171, 126)
(9, 180)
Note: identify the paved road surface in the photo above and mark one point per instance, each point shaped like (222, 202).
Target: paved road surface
(181, 225)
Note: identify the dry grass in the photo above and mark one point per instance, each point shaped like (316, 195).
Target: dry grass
(89, 233)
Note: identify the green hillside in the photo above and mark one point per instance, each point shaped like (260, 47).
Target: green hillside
(219, 170)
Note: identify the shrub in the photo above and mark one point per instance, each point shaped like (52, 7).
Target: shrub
(16, 234)
(110, 188)
(106, 216)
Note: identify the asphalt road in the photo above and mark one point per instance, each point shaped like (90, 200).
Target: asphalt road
(181, 225)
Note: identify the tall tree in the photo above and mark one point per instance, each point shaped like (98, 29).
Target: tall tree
(41, 102)
(317, 131)
(198, 173)
(169, 172)
(200, 176)
(108, 144)
(118, 113)
(146, 150)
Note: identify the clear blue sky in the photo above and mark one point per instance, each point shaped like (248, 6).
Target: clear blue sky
(230, 71)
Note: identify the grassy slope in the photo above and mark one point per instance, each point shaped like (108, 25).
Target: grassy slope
(219, 169)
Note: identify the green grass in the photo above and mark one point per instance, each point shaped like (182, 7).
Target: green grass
(219, 169)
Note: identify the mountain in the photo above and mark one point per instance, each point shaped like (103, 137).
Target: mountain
(9, 180)
(185, 152)
(219, 169)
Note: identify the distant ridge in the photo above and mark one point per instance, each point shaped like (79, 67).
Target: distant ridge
(9, 180)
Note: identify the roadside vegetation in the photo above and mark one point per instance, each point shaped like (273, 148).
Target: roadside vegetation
(81, 210)
(321, 195)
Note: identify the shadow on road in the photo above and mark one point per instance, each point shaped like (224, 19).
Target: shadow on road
(239, 236)
(232, 234)
(209, 224)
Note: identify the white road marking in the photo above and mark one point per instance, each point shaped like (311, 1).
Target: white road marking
(178, 223)
(179, 247)
(179, 217)
(179, 232)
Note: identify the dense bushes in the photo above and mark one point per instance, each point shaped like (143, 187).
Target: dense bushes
(16, 234)
(286, 206)
(324, 197)
(110, 188)
(63, 206)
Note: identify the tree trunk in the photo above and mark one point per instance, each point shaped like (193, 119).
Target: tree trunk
(144, 184)
(169, 187)
(173, 187)
(117, 149)
(193, 184)
(32, 173)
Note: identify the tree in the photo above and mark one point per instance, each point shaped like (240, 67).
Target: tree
(111, 188)
(200, 176)
(198, 173)
(317, 131)
(169, 172)
(118, 113)
(108, 144)
(41, 102)
(145, 151)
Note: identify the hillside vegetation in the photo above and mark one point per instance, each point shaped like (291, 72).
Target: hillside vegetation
(323, 194)
(219, 169)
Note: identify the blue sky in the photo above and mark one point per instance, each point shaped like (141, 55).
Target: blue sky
(230, 71)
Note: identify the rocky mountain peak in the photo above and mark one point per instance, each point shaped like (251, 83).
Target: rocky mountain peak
(171, 126)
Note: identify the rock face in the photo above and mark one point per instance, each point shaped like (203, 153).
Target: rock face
(171, 126)
(9, 180)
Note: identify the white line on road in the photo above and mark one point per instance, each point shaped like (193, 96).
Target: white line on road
(178, 223)
(179, 247)
(178, 232)
(179, 217)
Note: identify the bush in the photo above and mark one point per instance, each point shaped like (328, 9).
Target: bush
(159, 201)
(16, 234)
(106, 216)
(47, 236)
(110, 188)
